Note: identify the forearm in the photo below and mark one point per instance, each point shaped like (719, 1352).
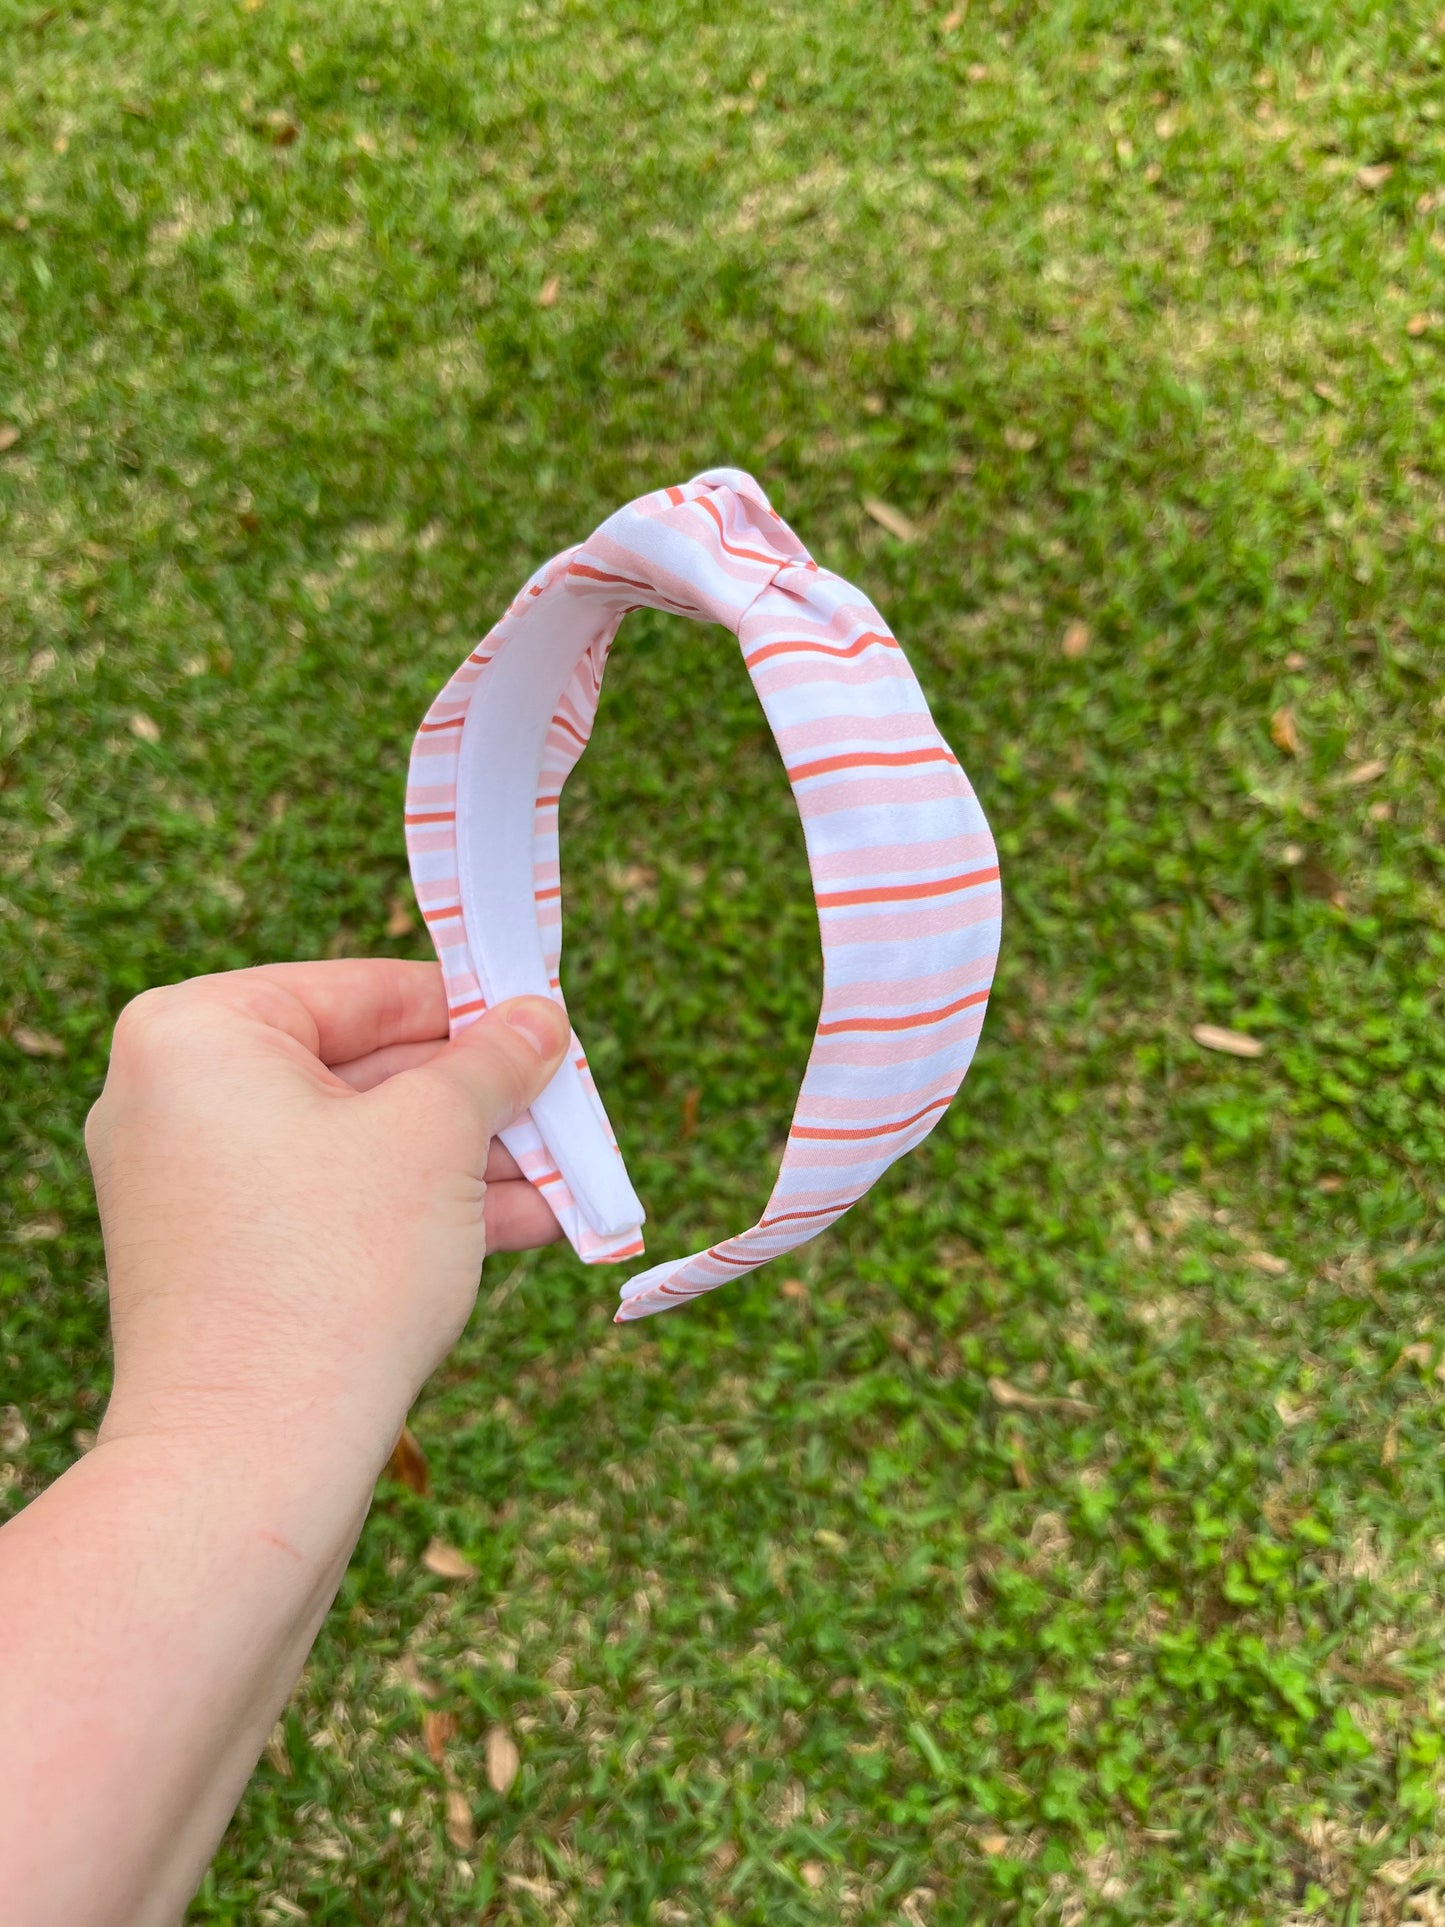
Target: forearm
(156, 1607)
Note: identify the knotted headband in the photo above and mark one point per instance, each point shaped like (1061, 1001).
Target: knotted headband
(904, 869)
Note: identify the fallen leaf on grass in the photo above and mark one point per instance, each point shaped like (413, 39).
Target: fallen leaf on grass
(792, 1288)
(145, 727)
(1283, 731)
(40, 1230)
(461, 1828)
(1009, 1395)
(1292, 1411)
(993, 1844)
(892, 519)
(400, 918)
(1417, 325)
(446, 1562)
(953, 21)
(814, 1874)
(1233, 1043)
(1267, 1262)
(550, 289)
(503, 1759)
(691, 1098)
(437, 1731)
(36, 1043)
(1326, 393)
(408, 1465)
(735, 1734)
(1076, 640)
(1365, 772)
(9, 436)
(1374, 176)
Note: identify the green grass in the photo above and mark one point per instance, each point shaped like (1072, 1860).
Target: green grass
(792, 1622)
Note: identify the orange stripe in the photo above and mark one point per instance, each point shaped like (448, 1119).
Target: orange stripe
(675, 496)
(630, 1251)
(870, 759)
(434, 816)
(901, 892)
(914, 1022)
(440, 916)
(804, 647)
(601, 575)
(876, 1130)
(452, 722)
(787, 1217)
(465, 1010)
(541, 896)
(748, 1264)
(547, 1177)
(745, 555)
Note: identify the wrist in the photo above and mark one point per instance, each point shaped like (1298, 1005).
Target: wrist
(316, 1437)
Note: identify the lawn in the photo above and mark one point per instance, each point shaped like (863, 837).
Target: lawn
(1059, 1540)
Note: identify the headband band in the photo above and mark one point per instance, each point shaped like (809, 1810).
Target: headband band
(904, 869)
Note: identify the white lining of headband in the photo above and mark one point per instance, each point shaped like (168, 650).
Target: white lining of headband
(497, 781)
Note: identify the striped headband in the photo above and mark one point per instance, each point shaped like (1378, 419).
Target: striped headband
(904, 869)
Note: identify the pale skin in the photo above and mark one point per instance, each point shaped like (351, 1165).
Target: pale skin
(297, 1185)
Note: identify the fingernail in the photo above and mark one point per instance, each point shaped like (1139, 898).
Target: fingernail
(542, 1024)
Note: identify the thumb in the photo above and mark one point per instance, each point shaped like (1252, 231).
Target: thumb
(504, 1060)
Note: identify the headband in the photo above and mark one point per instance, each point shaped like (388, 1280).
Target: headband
(904, 869)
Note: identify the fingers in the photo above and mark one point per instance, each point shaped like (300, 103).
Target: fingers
(365, 1073)
(339, 1011)
(518, 1218)
(497, 1065)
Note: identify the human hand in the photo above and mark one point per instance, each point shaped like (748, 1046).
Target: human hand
(297, 1185)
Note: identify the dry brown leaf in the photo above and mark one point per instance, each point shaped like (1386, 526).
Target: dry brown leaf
(36, 1043)
(1005, 1394)
(1292, 1411)
(400, 917)
(446, 1562)
(1267, 1262)
(282, 128)
(1296, 659)
(735, 1734)
(1076, 640)
(1326, 393)
(814, 1874)
(993, 1844)
(1366, 772)
(1233, 1043)
(978, 71)
(411, 1674)
(953, 21)
(792, 1288)
(1380, 812)
(407, 1464)
(437, 1731)
(892, 519)
(1283, 731)
(550, 289)
(1417, 325)
(145, 727)
(503, 1759)
(1374, 176)
(1420, 1353)
(9, 436)
(40, 1230)
(461, 1828)
(691, 1098)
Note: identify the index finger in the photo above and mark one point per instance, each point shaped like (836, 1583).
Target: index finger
(344, 1009)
